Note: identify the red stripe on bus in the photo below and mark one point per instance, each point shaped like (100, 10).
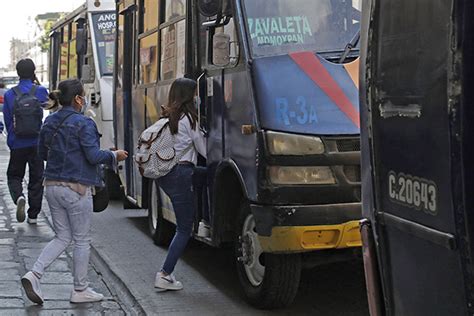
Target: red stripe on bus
(315, 70)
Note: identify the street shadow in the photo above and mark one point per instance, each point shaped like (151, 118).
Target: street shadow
(334, 289)
(141, 223)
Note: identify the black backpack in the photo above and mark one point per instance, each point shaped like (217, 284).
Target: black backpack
(27, 113)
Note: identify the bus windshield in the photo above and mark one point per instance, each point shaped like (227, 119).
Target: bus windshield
(277, 27)
(104, 29)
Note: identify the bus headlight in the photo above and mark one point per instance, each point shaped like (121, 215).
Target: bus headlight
(284, 175)
(294, 145)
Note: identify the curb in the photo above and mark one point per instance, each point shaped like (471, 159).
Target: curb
(129, 302)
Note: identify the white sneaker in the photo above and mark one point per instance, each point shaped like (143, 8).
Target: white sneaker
(204, 230)
(31, 284)
(86, 296)
(32, 221)
(167, 282)
(20, 209)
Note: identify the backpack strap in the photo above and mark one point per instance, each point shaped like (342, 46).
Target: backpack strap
(185, 151)
(33, 90)
(17, 91)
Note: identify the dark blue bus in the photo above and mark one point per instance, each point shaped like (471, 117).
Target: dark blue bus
(279, 85)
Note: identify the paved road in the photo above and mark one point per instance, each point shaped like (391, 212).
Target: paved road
(209, 277)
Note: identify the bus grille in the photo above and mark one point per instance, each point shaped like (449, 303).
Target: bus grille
(348, 145)
(352, 173)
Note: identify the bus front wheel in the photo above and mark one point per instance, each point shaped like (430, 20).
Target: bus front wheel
(268, 280)
(160, 229)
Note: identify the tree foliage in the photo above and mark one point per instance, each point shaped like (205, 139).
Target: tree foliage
(44, 41)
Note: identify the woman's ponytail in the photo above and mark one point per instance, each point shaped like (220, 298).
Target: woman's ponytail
(54, 97)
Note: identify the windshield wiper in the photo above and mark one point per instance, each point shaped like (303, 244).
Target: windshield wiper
(350, 46)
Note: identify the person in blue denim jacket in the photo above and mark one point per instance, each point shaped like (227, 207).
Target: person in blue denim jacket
(69, 143)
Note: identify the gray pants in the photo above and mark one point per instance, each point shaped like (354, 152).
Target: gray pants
(71, 214)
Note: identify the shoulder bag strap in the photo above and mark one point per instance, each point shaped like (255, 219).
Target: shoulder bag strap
(57, 128)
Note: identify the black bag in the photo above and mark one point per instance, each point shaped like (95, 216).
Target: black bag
(100, 199)
(27, 113)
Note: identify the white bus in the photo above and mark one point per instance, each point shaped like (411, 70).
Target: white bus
(83, 47)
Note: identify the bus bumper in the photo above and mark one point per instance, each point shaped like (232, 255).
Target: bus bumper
(291, 229)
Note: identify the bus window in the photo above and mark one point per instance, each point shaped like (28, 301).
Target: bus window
(280, 27)
(120, 43)
(174, 9)
(104, 30)
(72, 63)
(148, 15)
(173, 46)
(63, 56)
(230, 30)
(66, 33)
(149, 59)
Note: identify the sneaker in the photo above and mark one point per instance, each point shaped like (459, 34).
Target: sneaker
(20, 209)
(204, 230)
(31, 285)
(167, 282)
(32, 221)
(86, 296)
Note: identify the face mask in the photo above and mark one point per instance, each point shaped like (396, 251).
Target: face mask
(197, 101)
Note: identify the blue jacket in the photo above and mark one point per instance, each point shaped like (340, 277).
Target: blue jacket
(74, 152)
(9, 99)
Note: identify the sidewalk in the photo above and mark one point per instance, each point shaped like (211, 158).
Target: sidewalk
(20, 244)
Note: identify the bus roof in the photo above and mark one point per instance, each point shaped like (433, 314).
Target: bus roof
(88, 6)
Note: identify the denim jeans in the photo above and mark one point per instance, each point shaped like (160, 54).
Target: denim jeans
(71, 214)
(178, 185)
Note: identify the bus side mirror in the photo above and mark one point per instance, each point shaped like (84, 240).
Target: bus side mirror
(210, 8)
(221, 49)
(81, 41)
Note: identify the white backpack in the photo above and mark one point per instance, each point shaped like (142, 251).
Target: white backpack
(156, 155)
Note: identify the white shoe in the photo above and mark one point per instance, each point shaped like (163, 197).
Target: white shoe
(20, 209)
(31, 284)
(32, 221)
(204, 230)
(86, 296)
(167, 282)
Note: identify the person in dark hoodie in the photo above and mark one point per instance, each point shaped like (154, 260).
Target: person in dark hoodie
(23, 130)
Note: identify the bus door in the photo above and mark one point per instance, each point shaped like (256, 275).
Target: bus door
(225, 104)
(410, 105)
(124, 126)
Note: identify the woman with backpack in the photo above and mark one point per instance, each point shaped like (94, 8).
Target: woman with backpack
(69, 143)
(181, 112)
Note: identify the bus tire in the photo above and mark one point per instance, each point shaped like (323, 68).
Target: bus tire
(278, 285)
(160, 229)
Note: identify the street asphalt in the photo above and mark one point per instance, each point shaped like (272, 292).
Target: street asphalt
(125, 261)
(210, 282)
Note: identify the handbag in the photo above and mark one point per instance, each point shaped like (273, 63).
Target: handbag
(100, 199)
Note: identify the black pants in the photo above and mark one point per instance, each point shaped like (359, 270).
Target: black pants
(16, 172)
